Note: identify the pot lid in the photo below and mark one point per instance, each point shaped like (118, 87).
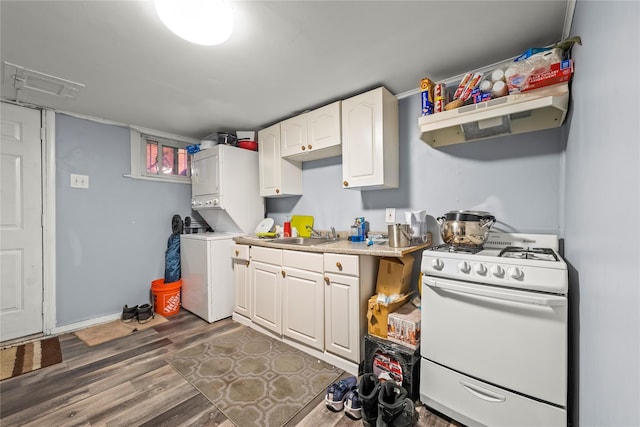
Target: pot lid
(467, 215)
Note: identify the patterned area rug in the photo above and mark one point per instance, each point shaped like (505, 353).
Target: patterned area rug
(29, 357)
(253, 379)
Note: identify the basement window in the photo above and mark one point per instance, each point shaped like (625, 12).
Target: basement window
(159, 156)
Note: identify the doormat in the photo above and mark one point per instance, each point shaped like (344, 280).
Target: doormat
(23, 358)
(117, 329)
(253, 379)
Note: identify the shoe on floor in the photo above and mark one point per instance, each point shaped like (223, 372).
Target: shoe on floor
(337, 392)
(352, 406)
(395, 409)
(368, 390)
(129, 313)
(145, 313)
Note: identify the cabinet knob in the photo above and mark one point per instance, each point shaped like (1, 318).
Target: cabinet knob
(309, 146)
(326, 280)
(247, 263)
(303, 148)
(339, 265)
(283, 273)
(345, 183)
(277, 191)
(237, 252)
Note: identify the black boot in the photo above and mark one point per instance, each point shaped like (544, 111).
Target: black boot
(395, 409)
(368, 389)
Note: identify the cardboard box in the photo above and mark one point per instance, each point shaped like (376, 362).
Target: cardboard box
(403, 326)
(394, 275)
(378, 313)
(389, 360)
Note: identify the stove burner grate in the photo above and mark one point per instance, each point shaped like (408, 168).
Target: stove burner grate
(445, 247)
(543, 254)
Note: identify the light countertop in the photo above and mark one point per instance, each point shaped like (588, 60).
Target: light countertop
(341, 246)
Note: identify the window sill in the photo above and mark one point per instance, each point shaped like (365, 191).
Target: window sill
(159, 179)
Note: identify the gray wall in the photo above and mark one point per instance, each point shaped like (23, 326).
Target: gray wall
(602, 214)
(111, 238)
(493, 175)
(587, 190)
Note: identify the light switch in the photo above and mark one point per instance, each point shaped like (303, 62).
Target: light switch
(390, 215)
(79, 181)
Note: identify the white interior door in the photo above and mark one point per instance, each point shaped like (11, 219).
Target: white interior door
(21, 255)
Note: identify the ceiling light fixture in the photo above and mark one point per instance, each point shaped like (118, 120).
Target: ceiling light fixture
(204, 22)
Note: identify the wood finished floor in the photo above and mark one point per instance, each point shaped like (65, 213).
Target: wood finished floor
(126, 382)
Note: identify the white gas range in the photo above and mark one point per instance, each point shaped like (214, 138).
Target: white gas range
(494, 331)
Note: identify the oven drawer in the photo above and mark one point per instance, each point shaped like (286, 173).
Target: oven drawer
(473, 402)
(514, 339)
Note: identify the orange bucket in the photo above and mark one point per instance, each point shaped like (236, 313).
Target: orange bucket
(166, 297)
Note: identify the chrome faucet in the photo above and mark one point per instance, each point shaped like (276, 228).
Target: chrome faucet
(313, 232)
(329, 234)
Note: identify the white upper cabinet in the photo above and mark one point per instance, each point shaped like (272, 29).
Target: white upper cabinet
(278, 176)
(313, 135)
(370, 147)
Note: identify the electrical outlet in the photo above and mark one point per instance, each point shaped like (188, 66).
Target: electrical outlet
(79, 181)
(390, 215)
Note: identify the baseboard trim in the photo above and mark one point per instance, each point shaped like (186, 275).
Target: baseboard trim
(85, 324)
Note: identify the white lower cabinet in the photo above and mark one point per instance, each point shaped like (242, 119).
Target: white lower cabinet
(350, 281)
(317, 301)
(266, 285)
(241, 280)
(303, 298)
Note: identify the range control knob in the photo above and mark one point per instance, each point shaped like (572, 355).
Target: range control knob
(193, 203)
(497, 271)
(464, 267)
(215, 202)
(208, 203)
(516, 273)
(437, 264)
(481, 269)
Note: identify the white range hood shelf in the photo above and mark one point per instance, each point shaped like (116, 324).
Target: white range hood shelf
(538, 109)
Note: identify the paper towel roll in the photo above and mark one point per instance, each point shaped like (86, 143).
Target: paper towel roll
(497, 75)
(499, 89)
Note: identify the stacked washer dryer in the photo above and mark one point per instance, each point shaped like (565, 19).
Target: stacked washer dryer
(225, 191)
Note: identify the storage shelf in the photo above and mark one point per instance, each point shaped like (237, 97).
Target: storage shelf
(538, 109)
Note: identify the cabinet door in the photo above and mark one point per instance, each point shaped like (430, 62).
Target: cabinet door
(242, 288)
(266, 282)
(370, 140)
(303, 307)
(241, 280)
(278, 177)
(325, 130)
(342, 316)
(293, 135)
(269, 160)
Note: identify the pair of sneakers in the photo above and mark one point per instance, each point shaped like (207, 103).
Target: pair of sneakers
(343, 394)
(142, 313)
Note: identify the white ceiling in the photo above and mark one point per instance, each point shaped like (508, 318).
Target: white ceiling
(283, 57)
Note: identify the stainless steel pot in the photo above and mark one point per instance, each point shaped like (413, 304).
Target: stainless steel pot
(399, 235)
(465, 228)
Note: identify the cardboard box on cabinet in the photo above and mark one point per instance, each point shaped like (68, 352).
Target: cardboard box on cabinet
(378, 313)
(394, 275)
(403, 326)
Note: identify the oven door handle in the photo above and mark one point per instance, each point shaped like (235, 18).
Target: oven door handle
(484, 291)
(482, 393)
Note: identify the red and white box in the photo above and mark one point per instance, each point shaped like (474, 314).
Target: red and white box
(558, 72)
(403, 326)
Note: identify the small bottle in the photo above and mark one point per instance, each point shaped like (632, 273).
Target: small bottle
(287, 228)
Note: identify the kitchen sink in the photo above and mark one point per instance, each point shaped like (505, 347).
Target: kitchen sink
(303, 241)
